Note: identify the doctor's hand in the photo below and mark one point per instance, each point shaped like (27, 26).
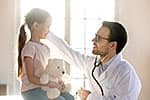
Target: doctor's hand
(83, 93)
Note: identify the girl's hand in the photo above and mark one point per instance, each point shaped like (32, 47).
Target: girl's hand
(52, 84)
(60, 82)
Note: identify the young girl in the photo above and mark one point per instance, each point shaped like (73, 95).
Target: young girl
(33, 56)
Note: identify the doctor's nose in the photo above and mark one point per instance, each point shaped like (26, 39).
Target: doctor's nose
(93, 39)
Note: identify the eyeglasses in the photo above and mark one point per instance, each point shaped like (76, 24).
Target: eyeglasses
(99, 38)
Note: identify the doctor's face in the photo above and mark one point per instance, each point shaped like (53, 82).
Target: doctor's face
(101, 44)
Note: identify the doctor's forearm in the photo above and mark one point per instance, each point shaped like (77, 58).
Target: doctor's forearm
(70, 55)
(63, 47)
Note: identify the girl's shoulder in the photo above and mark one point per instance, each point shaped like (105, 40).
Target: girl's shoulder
(29, 44)
(37, 45)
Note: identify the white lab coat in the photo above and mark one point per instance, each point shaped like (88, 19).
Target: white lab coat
(119, 81)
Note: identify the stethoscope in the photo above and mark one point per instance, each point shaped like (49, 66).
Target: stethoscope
(97, 65)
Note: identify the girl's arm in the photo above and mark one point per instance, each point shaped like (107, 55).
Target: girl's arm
(33, 78)
(30, 71)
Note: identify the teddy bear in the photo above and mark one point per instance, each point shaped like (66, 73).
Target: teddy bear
(54, 70)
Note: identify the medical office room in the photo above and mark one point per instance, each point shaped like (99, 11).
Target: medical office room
(76, 21)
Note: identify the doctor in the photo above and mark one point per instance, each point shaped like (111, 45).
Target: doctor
(111, 77)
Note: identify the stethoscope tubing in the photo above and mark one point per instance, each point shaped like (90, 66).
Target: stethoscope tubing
(97, 65)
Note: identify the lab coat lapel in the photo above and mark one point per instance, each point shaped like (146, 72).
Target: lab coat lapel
(103, 75)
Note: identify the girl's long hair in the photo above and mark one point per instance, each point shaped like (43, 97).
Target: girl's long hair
(21, 42)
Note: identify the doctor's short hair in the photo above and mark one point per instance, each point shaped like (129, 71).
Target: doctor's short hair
(117, 33)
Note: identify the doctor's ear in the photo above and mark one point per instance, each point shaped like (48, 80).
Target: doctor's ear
(113, 44)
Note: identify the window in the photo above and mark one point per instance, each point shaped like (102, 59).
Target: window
(86, 17)
(83, 20)
(56, 9)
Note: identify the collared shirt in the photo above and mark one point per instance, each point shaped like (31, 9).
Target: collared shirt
(103, 67)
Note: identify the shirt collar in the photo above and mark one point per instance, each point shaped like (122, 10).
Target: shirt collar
(106, 65)
(110, 61)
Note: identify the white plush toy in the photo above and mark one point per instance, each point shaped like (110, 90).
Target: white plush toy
(54, 70)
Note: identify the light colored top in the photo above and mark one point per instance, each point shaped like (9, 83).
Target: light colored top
(40, 54)
(119, 81)
(103, 67)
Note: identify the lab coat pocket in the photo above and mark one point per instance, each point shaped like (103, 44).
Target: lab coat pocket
(107, 83)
